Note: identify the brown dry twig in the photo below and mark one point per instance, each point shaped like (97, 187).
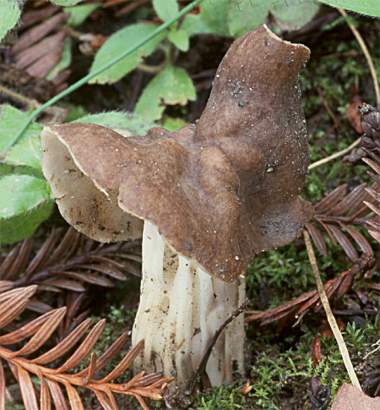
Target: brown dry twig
(329, 111)
(127, 8)
(21, 99)
(334, 156)
(203, 363)
(112, 3)
(27, 88)
(132, 7)
(53, 381)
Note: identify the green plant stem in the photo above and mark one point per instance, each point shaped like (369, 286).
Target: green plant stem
(90, 76)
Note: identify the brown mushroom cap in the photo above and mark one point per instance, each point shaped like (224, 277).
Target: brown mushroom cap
(227, 188)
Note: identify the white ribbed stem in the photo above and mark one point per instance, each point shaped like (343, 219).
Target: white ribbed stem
(181, 308)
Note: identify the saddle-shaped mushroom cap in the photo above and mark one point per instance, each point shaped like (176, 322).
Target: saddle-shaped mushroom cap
(219, 191)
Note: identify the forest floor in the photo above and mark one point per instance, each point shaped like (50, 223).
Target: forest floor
(279, 360)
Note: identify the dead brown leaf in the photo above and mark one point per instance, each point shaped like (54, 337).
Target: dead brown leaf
(353, 115)
(246, 388)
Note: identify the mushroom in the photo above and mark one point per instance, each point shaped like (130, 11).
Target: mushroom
(210, 196)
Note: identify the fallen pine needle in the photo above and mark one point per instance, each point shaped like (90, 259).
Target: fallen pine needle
(329, 314)
(336, 155)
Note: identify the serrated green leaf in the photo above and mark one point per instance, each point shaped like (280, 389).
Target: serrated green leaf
(294, 14)
(369, 7)
(25, 202)
(65, 3)
(180, 38)
(116, 44)
(122, 121)
(166, 9)
(11, 119)
(26, 153)
(10, 14)
(246, 15)
(171, 86)
(78, 14)
(65, 60)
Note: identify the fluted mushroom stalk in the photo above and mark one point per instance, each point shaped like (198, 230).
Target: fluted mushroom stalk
(181, 308)
(211, 196)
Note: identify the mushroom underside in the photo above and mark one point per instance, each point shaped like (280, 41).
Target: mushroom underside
(88, 208)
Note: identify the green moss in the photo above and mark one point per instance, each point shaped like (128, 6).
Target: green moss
(285, 273)
(226, 398)
(281, 372)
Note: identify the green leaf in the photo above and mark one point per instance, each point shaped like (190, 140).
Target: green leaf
(293, 14)
(10, 121)
(78, 14)
(166, 9)
(5, 169)
(180, 38)
(25, 202)
(235, 18)
(65, 3)
(119, 121)
(246, 15)
(195, 24)
(369, 7)
(65, 60)
(74, 112)
(26, 153)
(215, 14)
(173, 124)
(171, 86)
(10, 14)
(116, 44)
